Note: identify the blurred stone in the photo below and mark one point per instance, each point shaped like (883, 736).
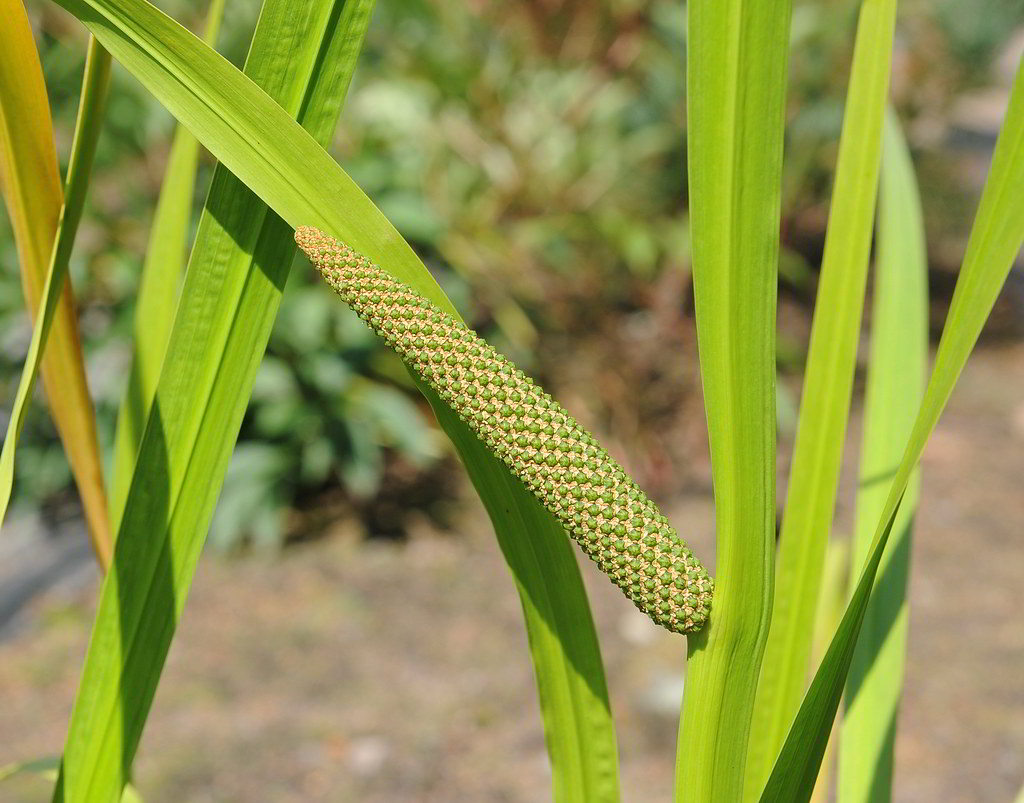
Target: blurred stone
(981, 111)
(663, 695)
(367, 754)
(1009, 60)
(637, 629)
(1018, 421)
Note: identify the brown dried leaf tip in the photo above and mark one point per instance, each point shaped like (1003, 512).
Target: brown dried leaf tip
(604, 511)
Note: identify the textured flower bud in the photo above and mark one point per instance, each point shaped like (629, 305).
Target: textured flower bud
(604, 511)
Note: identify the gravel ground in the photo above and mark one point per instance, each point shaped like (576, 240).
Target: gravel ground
(373, 670)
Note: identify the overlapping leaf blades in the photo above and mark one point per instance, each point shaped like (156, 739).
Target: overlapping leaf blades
(828, 387)
(203, 389)
(235, 276)
(157, 296)
(996, 238)
(44, 231)
(897, 368)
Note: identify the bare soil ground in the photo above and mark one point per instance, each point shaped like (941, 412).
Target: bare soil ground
(377, 670)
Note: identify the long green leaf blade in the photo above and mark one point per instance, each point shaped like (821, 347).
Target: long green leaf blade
(253, 137)
(828, 386)
(896, 377)
(995, 240)
(195, 416)
(736, 82)
(157, 296)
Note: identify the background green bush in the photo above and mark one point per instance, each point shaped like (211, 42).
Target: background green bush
(536, 160)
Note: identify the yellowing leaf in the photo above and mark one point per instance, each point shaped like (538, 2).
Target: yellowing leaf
(33, 194)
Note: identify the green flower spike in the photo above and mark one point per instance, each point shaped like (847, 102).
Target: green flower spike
(611, 519)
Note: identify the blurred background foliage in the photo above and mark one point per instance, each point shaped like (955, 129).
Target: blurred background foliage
(534, 154)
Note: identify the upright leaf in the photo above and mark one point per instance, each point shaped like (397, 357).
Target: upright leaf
(32, 192)
(896, 376)
(736, 82)
(995, 240)
(158, 294)
(828, 385)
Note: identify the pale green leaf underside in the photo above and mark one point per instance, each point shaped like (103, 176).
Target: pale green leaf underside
(896, 376)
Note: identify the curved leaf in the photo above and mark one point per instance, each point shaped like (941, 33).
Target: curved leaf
(216, 343)
(32, 191)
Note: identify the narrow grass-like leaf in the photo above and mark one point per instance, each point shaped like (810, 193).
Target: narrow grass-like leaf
(995, 240)
(83, 149)
(203, 383)
(189, 437)
(736, 82)
(828, 386)
(831, 605)
(32, 191)
(158, 293)
(896, 376)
